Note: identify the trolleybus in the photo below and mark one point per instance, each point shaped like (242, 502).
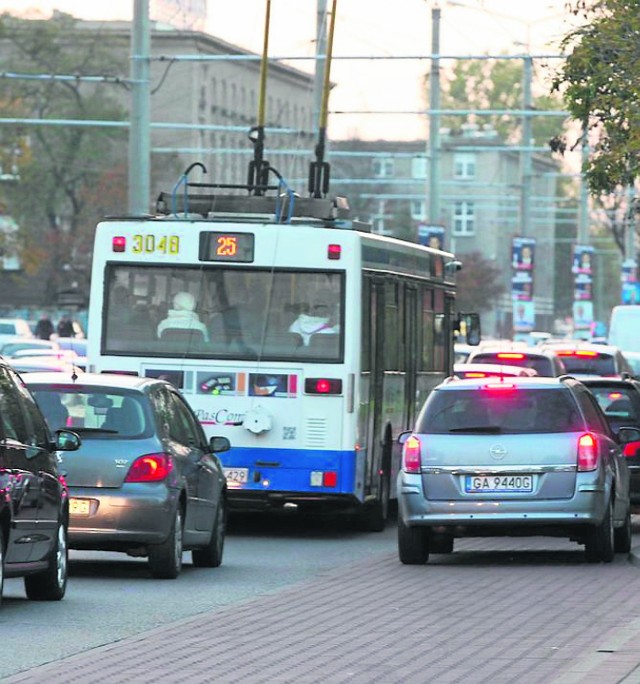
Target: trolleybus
(309, 343)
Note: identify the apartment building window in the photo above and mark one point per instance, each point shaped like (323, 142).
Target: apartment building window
(464, 218)
(383, 167)
(418, 210)
(464, 165)
(419, 167)
(378, 218)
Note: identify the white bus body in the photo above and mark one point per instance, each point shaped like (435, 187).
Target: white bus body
(624, 327)
(312, 415)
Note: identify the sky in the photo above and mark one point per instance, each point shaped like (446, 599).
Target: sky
(364, 28)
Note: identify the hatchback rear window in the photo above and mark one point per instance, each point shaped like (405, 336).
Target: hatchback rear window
(94, 412)
(502, 411)
(589, 364)
(540, 364)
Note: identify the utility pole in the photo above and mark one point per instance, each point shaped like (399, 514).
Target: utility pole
(583, 214)
(630, 226)
(433, 149)
(321, 61)
(525, 159)
(139, 131)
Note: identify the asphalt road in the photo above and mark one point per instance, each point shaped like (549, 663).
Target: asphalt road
(111, 596)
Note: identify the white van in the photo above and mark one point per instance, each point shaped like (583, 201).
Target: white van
(624, 327)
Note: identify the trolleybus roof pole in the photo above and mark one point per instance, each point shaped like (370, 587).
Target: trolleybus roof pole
(319, 170)
(258, 176)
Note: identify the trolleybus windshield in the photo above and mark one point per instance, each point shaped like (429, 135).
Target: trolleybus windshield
(225, 312)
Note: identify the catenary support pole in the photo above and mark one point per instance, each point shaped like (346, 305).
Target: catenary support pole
(433, 149)
(139, 131)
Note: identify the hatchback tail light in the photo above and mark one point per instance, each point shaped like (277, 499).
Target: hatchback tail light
(150, 468)
(411, 455)
(587, 452)
(631, 449)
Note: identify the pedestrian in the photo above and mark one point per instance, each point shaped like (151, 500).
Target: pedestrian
(44, 327)
(65, 327)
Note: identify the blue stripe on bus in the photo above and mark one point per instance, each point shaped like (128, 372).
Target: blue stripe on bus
(293, 472)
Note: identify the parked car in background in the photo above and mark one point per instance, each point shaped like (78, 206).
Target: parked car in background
(45, 364)
(583, 358)
(79, 346)
(13, 327)
(145, 481)
(544, 363)
(490, 370)
(34, 505)
(17, 343)
(620, 400)
(519, 456)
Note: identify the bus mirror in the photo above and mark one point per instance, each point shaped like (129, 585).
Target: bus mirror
(469, 327)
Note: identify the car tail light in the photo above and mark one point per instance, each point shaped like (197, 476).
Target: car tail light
(631, 449)
(510, 355)
(474, 374)
(150, 468)
(411, 455)
(587, 452)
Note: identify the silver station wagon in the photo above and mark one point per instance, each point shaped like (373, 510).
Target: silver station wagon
(517, 456)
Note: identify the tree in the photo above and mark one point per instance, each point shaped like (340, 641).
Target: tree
(479, 285)
(496, 84)
(53, 201)
(600, 82)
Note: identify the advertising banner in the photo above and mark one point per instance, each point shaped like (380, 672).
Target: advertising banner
(431, 236)
(524, 316)
(582, 315)
(522, 286)
(583, 272)
(522, 253)
(630, 284)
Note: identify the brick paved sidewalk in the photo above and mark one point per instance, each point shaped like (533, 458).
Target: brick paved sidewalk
(476, 616)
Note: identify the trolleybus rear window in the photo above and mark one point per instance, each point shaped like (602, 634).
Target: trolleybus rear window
(228, 312)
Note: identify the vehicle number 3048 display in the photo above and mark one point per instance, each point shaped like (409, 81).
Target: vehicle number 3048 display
(499, 483)
(156, 244)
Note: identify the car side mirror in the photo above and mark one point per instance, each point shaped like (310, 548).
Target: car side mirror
(67, 440)
(219, 444)
(628, 434)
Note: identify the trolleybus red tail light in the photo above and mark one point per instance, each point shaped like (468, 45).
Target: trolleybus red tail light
(411, 455)
(334, 252)
(119, 243)
(587, 452)
(330, 478)
(323, 386)
(150, 468)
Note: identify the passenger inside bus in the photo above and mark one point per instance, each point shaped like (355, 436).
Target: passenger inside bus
(314, 321)
(183, 316)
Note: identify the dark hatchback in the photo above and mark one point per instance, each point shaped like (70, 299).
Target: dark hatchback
(620, 401)
(34, 504)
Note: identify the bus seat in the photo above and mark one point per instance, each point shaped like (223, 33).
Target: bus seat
(324, 345)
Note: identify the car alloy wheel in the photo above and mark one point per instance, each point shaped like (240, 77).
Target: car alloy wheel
(51, 584)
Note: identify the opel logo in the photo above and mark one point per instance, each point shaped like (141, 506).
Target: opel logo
(497, 452)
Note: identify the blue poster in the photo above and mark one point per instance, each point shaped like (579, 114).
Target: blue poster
(431, 236)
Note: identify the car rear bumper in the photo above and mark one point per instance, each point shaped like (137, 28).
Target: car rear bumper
(587, 506)
(122, 518)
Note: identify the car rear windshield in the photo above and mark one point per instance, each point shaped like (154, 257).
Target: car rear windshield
(596, 364)
(94, 412)
(540, 364)
(621, 405)
(503, 410)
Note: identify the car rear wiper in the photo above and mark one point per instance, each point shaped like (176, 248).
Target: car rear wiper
(94, 429)
(491, 429)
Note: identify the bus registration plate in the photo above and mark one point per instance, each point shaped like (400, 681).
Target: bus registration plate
(239, 475)
(498, 483)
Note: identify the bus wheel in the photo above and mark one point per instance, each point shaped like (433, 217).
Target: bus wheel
(375, 513)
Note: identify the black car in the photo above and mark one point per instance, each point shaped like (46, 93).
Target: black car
(34, 505)
(619, 398)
